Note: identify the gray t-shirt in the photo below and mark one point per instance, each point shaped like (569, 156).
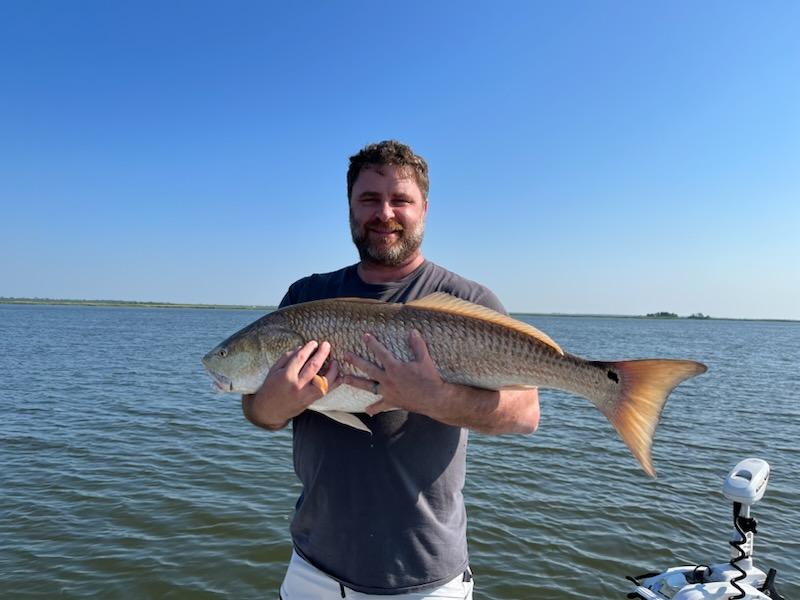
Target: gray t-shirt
(382, 513)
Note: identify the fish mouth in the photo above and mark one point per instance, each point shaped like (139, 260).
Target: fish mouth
(222, 383)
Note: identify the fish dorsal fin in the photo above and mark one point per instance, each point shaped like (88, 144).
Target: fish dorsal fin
(444, 302)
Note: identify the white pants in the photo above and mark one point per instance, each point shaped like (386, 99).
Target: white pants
(305, 582)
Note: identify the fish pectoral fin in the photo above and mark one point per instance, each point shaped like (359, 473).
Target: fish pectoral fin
(346, 418)
(320, 382)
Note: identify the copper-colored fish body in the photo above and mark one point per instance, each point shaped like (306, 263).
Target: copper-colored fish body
(470, 345)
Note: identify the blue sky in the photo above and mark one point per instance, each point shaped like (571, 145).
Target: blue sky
(586, 157)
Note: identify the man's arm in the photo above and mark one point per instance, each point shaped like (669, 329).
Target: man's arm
(416, 386)
(487, 411)
(289, 387)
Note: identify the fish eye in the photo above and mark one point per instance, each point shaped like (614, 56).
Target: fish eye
(222, 353)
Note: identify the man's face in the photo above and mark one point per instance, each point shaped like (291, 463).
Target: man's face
(387, 215)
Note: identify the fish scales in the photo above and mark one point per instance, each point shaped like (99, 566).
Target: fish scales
(478, 354)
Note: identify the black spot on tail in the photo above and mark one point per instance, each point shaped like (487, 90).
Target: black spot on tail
(612, 376)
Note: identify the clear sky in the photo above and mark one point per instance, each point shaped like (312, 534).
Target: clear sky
(586, 157)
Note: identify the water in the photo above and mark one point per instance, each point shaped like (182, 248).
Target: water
(123, 475)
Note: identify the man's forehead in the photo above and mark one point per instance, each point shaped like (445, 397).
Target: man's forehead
(394, 171)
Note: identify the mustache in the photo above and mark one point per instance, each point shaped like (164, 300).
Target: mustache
(391, 224)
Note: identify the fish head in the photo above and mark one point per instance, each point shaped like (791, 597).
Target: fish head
(241, 363)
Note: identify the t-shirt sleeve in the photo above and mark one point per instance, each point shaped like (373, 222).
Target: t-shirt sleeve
(304, 290)
(287, 299)
(487, 298)
(293, 295)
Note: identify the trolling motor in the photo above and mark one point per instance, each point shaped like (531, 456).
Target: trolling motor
(737, 579)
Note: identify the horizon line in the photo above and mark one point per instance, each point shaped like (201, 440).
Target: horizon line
(271, 307)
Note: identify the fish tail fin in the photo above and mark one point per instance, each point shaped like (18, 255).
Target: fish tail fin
(643, 391)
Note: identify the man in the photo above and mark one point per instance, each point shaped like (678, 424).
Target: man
(383, 514)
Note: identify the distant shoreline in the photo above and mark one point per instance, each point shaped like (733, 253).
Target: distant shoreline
(129, 304)
(268, 308)
(649, 317)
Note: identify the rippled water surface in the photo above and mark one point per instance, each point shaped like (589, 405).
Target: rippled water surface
(123, 475)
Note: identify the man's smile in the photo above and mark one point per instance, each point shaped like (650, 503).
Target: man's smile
(385, 232)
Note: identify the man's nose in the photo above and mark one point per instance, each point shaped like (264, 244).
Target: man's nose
(385, 211)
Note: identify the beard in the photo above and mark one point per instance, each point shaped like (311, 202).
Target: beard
(390, 255)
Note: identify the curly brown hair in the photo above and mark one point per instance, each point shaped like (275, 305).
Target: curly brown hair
(388, 152)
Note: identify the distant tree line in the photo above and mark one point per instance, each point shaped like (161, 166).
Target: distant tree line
(671, 315)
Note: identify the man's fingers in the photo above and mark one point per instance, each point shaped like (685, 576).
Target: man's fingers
(312, 366)
(284, 359)
(378, 407)
(296, 362)
(380, 351)
(362, 383)
(371, 369)
(418, 346)
(333, 375)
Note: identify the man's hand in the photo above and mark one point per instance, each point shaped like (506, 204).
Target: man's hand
(417, 386)
(292, 385)
(406, 385)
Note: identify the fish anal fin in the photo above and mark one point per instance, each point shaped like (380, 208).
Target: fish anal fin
(444, 302)
(346, 418)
